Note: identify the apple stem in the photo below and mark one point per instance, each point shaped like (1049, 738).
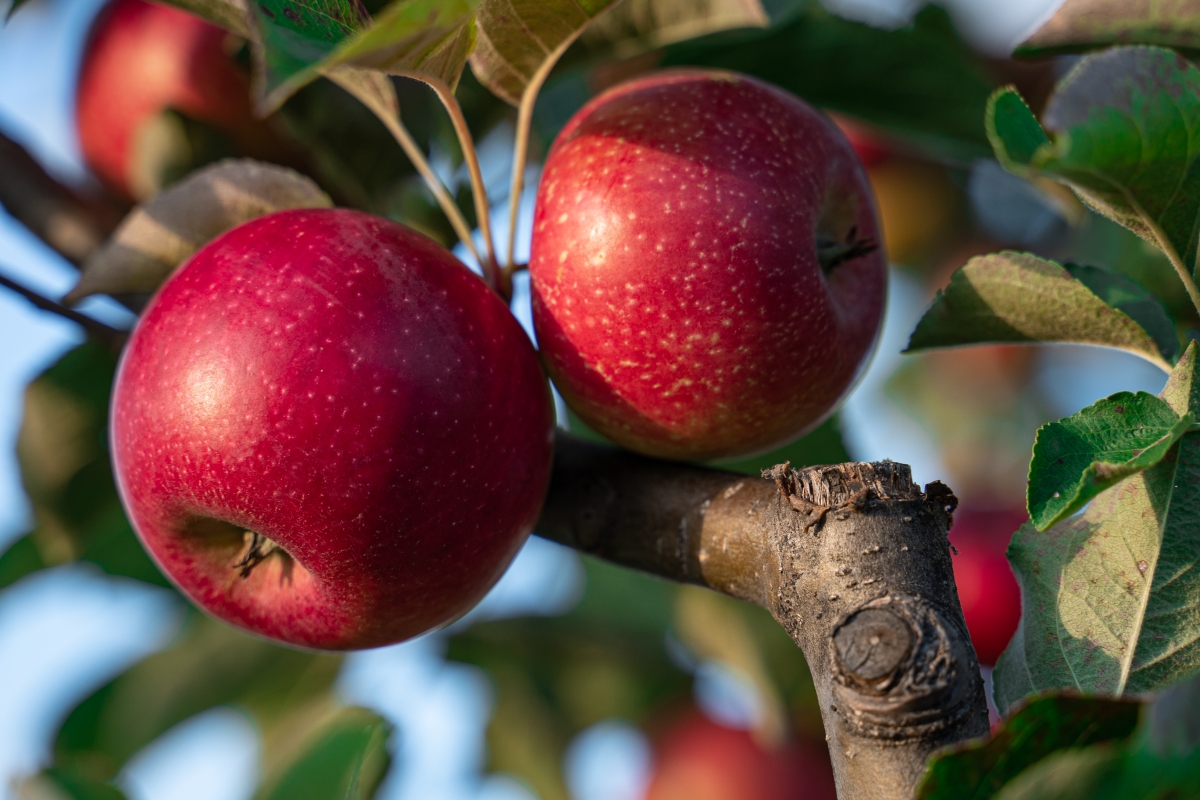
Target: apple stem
(839, 555)
(521, 145)
(490, 266)
(260, 547)
(375, 91)
(113, 337)
(832, 253)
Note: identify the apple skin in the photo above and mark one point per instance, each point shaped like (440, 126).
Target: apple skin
(987, 588)
(699, 759)
(679, 302)
(143, 58)
(343, 386)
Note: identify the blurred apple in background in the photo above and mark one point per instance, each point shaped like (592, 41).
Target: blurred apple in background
(987, 589)
(917, 203)
(699, 759)
(148, 71)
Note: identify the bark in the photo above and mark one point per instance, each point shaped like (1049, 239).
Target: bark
(71, 224)
(853, 561)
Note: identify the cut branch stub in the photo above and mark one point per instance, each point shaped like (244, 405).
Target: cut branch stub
(851, 559)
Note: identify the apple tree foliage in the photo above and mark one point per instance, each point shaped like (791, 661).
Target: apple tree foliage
(1099, 686)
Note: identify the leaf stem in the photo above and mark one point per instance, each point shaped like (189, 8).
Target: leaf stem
(521, 145)
(114, 337)
(1180, 268)
(491, 266)
(375, 91)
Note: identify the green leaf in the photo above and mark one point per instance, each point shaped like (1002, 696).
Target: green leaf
(921, 83)
(345, 758)
(293, 37)
(633, 26)
(1089, 24)
(20, 559)
(1111, 599)
(210, 664)
(1129, 297)
(297, 41)
(1076, 458)
(1126, 125)
(1020, 298)
(1173, 720)
(977, 769)
(520, 40)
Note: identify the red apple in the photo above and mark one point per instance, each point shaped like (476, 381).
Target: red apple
(706, 280)
(327, 431)
(987, 589)
(698, 759)
(143, 58)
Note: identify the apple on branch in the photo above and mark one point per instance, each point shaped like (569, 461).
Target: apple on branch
(707, 277)
(327, 431)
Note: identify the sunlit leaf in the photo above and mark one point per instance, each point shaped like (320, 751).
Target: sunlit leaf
(1126, 136)
(1111, 598)
(977, 769)
(1020, 298)
(1089, 24)
(1076, 458)
(1130, 298)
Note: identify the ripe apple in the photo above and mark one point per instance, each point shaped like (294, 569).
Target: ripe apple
(699, 759)
(706, 279)
(987, 589)
(327, 431)
(143, 58)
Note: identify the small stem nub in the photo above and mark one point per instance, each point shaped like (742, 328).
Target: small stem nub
(831, 253)
(260, 547)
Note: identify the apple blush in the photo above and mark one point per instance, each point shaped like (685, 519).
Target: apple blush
(328, 432)
(707, 280)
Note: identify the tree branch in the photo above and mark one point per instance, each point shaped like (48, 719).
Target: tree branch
(71, 225)
(851, 559)
(113, 337)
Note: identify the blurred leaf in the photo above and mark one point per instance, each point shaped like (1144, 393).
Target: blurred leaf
(210, 664)
(12, 8)
(64, 784)
(345, 758)
(228, 14)
(1125, 124)
(553, 677)
(921, 83)
(977, 769)
(162, 233)
(20, 559)
(1088, 24)
(63, 453)
(1173, 720)
(1134, 301)
(1076, 458)
(1020, 298)
(1109, 597)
